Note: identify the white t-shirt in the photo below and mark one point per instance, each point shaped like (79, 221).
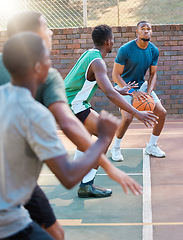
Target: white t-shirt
(28, 136)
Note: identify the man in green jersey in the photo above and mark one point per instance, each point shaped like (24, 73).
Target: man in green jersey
(131, 64)
(86, 76)
(52, 95)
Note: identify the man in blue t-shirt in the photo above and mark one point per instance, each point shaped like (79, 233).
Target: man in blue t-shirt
(131, 64)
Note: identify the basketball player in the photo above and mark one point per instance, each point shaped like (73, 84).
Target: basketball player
(52, 95)
(132, 61)
(28, 138)
(88, 73)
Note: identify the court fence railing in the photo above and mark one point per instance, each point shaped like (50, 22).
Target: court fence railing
(89, 13)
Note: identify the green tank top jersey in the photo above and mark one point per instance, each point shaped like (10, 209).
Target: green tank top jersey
(79, 90)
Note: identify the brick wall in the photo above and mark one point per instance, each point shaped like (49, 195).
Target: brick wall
(69, 44)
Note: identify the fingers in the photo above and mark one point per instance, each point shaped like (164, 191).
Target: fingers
(141, 96)
(134, 187)
(125, 181)
(150, 121)
(133, 84)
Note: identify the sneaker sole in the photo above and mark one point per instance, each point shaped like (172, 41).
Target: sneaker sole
(118, 160)
(150, 154)
(94, 196)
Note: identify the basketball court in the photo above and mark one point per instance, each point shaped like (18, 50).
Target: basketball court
(157, 214)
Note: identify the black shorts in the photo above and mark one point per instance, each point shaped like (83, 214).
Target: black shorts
(40, 209)
(83, 115)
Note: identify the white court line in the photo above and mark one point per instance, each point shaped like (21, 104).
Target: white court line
(147, 207)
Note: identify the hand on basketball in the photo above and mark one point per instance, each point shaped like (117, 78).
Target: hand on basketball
(147, 117)
(107, 125)
(125, 181)
(139, 95)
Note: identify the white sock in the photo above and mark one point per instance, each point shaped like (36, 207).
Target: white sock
(89, 176)
(78, 154)
(153, 139)
(117, 142)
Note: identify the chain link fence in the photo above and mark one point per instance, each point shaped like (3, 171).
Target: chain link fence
(79, 13)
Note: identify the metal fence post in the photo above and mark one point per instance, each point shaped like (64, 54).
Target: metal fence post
(85, 13)
(118, 11)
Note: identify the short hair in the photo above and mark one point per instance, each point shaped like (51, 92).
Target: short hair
(142, 22)
(100, 34)
(22, 51)
(24, 22)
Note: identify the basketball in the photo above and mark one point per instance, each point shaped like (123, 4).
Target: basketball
(144, 104)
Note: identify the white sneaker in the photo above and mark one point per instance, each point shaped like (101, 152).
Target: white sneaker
(155, 151)
(116, 154)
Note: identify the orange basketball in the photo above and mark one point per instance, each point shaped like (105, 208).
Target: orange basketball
(144, 104)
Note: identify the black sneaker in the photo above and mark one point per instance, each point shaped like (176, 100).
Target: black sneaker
(93, 191)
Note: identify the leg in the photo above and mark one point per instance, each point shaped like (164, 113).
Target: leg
(126, 121)
(87, 188)
(152, 148)
(41, 212)
(160, 111)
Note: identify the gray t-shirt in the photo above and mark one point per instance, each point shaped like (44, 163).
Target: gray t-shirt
(28, 137)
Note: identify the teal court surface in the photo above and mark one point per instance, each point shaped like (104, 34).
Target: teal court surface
(119, 217)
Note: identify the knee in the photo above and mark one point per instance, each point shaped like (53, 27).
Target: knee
(127, 120)
(162, 113)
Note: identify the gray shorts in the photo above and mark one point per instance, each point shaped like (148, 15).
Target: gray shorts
(143, 88)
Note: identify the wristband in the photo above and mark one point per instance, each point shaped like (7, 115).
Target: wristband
(131, 90)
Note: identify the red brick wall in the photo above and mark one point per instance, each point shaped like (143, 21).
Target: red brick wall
(69, 44)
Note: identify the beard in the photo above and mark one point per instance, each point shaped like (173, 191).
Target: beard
(145, 39)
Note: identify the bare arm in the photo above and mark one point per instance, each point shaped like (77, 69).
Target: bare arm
(100, 71)
(78, 134)
(116, 74)
(152, 79)
(70, 173)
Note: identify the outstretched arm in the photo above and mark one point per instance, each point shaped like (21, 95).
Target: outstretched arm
(70, 173)
(100, 71)
(78, 134)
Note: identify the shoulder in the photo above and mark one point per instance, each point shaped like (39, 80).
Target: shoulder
(127, 47)
(153, 48)
(95, 58)
(98, 63)
(53, 90)
(93, 54)
(53, 74)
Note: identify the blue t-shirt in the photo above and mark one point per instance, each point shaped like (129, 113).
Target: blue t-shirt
(136, 61)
